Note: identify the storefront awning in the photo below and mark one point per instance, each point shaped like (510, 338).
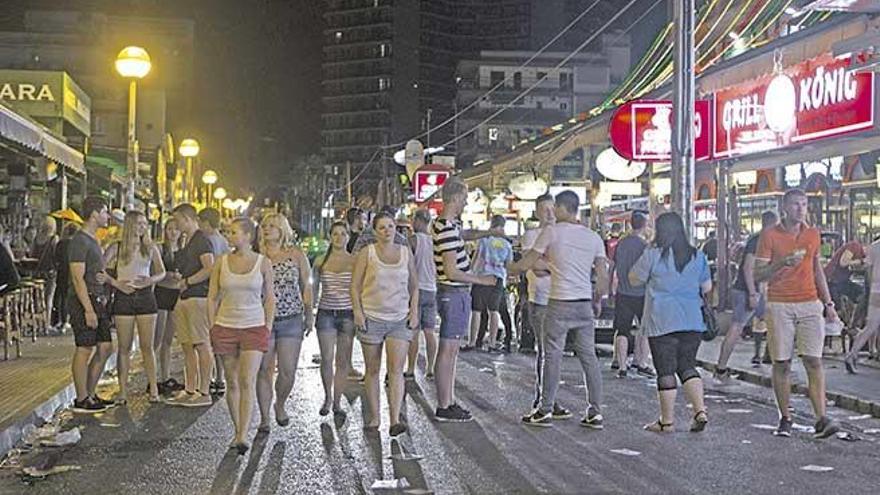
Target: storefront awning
(30, 135)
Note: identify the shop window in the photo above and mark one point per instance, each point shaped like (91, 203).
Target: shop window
(703, 192)
(763, 183)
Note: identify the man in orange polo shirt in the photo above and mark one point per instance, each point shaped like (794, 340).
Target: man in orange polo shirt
(798, 302)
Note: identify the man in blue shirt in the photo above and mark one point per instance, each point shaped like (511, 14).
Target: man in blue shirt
(493, 255)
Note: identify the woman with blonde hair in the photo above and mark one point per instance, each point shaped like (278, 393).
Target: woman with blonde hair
(293, 316)
(135, 264)
(43, 250)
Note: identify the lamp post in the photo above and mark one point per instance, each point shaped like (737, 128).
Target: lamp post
(209, 178)
(219, 195)
(189, 149)
(133, 62)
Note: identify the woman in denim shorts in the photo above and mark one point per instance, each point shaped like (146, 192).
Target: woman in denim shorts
(385, 298)
(335, 323)
(293, 294)
(138, 266)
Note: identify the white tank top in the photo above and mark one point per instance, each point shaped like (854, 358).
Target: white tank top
(137, 266)
(424, 259)
(385, 294)
(241, 297)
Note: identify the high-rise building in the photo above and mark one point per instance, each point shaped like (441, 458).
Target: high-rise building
(389, 68)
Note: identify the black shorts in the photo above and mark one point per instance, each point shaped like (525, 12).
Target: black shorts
(675, 353)
(83, 336)
(139, 302)
(626, 310)
(166, 299)
(487, 297)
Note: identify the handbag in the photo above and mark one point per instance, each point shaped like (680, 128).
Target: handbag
(709, 320)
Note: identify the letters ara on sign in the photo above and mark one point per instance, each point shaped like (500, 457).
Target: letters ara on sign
(642, 130)
(814, 99)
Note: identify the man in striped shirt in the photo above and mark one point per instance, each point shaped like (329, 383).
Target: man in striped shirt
(454, 280)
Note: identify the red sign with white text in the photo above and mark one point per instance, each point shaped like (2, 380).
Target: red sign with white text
(812, 100)
(427, 180)
(641, 130)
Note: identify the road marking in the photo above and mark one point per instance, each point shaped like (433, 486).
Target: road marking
(859, 418)
(739, 411)
(817, 469)
(626, 452)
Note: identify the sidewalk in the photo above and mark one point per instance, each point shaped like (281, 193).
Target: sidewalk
(34, 386)
(859, 393)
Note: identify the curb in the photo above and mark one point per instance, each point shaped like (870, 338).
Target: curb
(844, 401)
(12, 434)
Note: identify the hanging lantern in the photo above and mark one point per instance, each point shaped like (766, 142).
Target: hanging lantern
(528, 187)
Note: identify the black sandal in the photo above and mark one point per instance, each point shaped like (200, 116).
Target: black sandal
(701, 419)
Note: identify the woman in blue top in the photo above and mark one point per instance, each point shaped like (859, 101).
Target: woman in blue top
(676, 274)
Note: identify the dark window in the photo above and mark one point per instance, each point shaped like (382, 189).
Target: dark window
(517, 80)
(495, 78)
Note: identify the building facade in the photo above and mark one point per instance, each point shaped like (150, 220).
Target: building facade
(389, 67)
(498, 121)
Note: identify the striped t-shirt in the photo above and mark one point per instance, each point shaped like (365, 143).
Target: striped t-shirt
(447, 237)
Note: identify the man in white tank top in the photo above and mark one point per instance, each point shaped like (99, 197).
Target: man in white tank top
(423, 251)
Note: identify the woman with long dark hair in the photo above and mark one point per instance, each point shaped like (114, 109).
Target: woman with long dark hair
(167, 294)
(676, 275)
(335, 322)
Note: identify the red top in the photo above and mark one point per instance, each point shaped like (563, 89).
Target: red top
(836, 273)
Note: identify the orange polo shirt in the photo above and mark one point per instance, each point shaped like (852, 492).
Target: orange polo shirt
(790, 284)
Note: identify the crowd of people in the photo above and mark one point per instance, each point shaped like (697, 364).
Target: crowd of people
(240, 304)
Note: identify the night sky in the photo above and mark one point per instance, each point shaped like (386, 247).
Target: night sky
(257, 77)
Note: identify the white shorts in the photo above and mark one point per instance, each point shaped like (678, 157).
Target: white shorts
(795, 325)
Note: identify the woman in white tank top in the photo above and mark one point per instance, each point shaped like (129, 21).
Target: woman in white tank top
(385, 299)
(241, 310)
(137, 265)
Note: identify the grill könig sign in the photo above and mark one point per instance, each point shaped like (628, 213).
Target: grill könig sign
(812, 100)
(641, 130)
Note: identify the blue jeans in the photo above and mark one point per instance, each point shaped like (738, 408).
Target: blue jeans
(339, 320)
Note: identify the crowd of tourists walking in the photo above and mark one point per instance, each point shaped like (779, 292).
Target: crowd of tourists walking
(241, 304)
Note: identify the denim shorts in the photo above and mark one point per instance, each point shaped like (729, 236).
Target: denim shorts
(291, 327)
(741, 312)
(377, 331)
(427, 309)
(335, 320)
(454, 306)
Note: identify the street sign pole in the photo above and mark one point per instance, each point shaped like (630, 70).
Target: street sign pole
(683, 105)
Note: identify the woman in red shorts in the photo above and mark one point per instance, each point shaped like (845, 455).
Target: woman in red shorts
(241, 308)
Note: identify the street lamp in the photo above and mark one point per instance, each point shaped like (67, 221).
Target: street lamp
(133, 62)
(189, 149)
(209, 178)
(219, 195)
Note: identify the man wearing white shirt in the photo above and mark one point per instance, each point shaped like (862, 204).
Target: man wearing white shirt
(539, 295)
(573, 253)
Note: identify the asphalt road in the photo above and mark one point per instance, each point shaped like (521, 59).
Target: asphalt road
(159, 449)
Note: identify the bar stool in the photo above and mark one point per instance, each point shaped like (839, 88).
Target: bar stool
(9, 304)
(27, 319)
(41, 311)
